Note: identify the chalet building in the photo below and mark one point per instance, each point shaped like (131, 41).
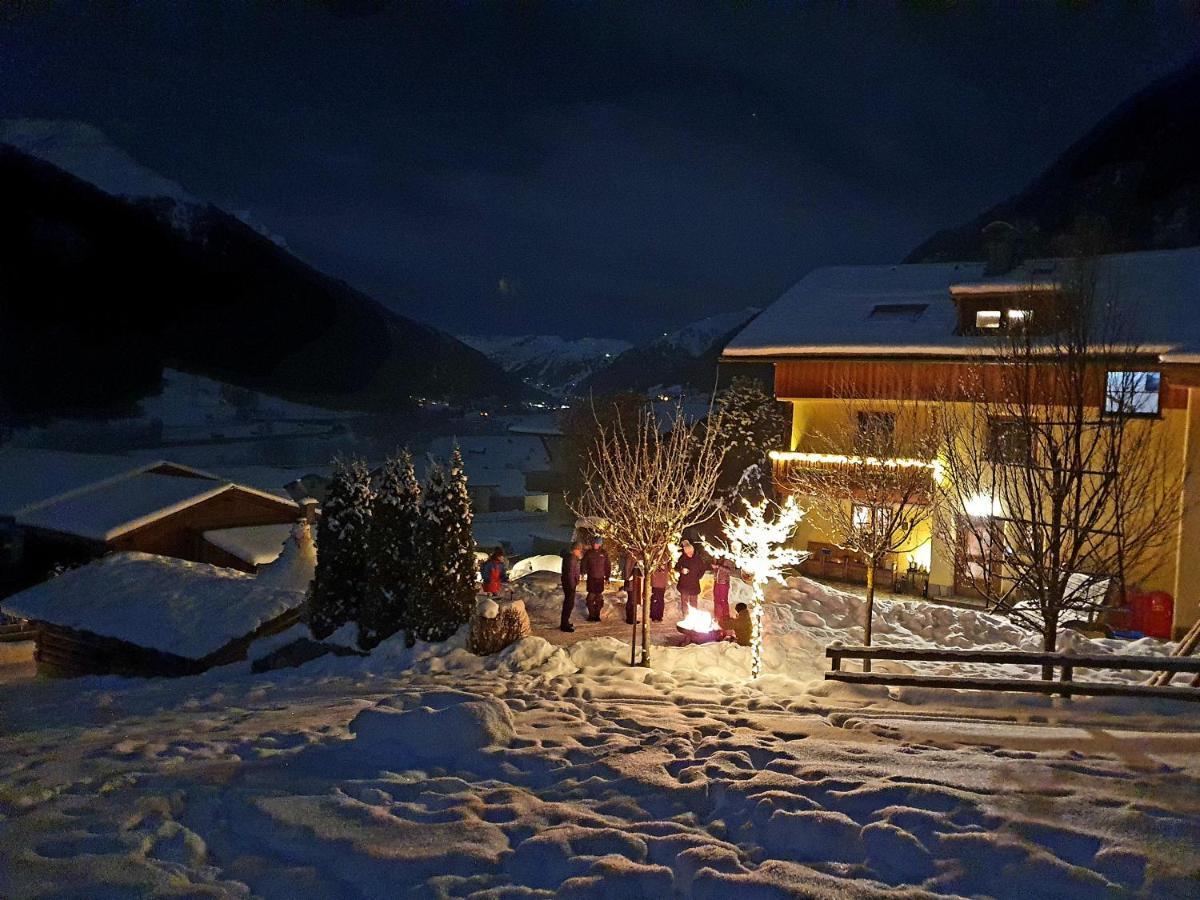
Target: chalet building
(877, 332)
(61, 508)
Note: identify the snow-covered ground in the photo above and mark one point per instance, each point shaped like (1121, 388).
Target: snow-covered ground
(550, 771)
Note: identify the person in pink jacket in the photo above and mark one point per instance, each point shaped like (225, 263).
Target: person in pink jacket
(722, 574)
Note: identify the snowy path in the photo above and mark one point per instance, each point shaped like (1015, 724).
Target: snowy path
(229, 785)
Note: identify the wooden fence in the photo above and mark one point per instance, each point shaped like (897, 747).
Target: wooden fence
(1064, 662)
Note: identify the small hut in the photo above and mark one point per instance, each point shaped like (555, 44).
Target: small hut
(143, 615)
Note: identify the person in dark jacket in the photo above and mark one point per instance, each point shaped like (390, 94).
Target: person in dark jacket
(690, 567)
(633, 593)
(570, 581)
(659, 579)
(494, 572)
(740, 625)
(596, 570)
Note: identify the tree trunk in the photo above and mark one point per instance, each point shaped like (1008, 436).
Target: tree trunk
(1050, 642)
(869, 611)
(645, 604)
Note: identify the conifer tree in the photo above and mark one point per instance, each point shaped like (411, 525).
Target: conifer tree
(752, 424)
(393, 566)
(447, 552)
(339, 583)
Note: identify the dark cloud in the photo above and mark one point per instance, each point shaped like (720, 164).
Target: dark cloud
(621, 168)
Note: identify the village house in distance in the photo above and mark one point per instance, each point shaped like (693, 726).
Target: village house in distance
(847, 341)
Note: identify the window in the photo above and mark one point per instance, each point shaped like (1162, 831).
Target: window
(1133, 393)
(875, 433)
(988, 318)
(860, 518)
(909, 311)
(1018, 319)
(1008, 441)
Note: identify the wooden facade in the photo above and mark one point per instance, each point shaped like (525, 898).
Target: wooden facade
(67, 653)
(933, 380)
(181, 534)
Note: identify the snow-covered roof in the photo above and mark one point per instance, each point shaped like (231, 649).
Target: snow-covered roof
(186, 608)
(253, 544)
(111, 509)
(108, 509)
(30, 477)
(836, 310)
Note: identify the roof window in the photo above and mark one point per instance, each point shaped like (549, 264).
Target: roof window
(909, 311)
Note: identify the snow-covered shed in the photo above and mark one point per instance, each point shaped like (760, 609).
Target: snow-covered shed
(141, 614)
(67, 508)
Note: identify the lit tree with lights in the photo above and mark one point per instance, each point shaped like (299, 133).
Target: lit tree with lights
(756, 542)
(646, 481)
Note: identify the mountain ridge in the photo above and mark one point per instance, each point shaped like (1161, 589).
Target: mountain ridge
(120, 290)
(1133, 180)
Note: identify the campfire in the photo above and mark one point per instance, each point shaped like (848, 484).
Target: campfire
(699, 627)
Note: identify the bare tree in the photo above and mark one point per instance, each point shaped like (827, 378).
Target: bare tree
(647, 483)
(1057, 487)
(869, 481)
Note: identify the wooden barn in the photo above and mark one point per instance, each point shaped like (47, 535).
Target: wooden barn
(64, 509)
(137, 614)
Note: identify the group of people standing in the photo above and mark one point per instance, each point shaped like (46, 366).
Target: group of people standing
(594, 568)
(591, 565)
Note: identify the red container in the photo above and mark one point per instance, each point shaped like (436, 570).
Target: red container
(1153, 613)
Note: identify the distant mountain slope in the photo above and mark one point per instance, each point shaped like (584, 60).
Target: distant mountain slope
(1138, 171)
(550, 363)
(98, 292)
(687, 357)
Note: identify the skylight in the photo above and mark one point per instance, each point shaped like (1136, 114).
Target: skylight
(909, 311)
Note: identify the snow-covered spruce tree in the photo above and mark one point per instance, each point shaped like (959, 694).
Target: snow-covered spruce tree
(447, 555)
(340, 580)
(392, 559)
(752, 424)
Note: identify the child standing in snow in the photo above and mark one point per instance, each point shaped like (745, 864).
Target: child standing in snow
(494, 572)
(722, 572)
(658, 592)
(596, 570)
(633, 593)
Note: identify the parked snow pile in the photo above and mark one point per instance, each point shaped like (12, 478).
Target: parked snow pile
(187, 609)
(496, 624)
(449, 727)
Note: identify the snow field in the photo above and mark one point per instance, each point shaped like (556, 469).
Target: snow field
(546, 771)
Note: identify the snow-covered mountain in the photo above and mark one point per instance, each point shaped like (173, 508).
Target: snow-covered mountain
(686, 358)
(118, 288)
(550, 363)
(88, 154)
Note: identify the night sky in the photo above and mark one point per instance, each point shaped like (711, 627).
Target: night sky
(579, 169)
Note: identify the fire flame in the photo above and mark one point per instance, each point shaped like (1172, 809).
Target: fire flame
(698, 620)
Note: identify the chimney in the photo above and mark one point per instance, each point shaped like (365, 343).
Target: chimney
(308, 510)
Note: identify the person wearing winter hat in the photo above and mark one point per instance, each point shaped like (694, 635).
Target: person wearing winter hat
(691, 567)
(570, 581)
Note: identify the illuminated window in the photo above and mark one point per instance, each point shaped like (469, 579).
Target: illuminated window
(988, 318)
(1133, 393)
(860, 518)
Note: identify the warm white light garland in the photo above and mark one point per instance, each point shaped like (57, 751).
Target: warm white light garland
(755, 544)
